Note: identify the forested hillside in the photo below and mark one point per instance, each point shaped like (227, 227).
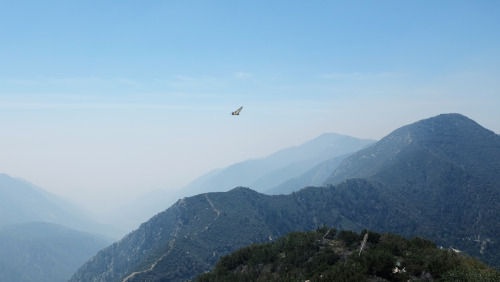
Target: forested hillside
(328, 255)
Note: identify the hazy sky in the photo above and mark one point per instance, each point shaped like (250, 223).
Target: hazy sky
(101, 101)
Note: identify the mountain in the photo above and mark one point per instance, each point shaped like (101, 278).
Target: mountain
(188, 238)
(266, 173)
(450, 139)
(328, 255)
(22, 202)
(433, 179)
(443, 173)
(39, 251)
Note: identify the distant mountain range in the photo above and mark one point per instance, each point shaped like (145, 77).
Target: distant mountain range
(22, 202)
(437, 178)
(264, 174)
(39, 240)
(313, 177)
(44, 252)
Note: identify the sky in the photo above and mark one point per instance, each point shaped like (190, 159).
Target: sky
(102, 101)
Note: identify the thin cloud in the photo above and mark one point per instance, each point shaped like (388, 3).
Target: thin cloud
(242, 75)
(183, 80)
(52, 81)
(54, 85)
(359, 75)
(68, 106)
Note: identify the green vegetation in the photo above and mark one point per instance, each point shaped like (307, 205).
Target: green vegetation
(325, 255)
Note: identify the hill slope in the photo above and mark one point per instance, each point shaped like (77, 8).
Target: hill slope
(44, 252)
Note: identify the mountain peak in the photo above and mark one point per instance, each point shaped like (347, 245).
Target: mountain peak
(453, 138)
(453, 125)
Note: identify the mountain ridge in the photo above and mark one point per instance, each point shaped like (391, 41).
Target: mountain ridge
(272, 170)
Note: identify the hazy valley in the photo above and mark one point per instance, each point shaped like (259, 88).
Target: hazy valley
(436, 178)
(26, 206)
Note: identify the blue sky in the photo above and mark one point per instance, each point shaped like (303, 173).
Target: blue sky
(121, 97)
